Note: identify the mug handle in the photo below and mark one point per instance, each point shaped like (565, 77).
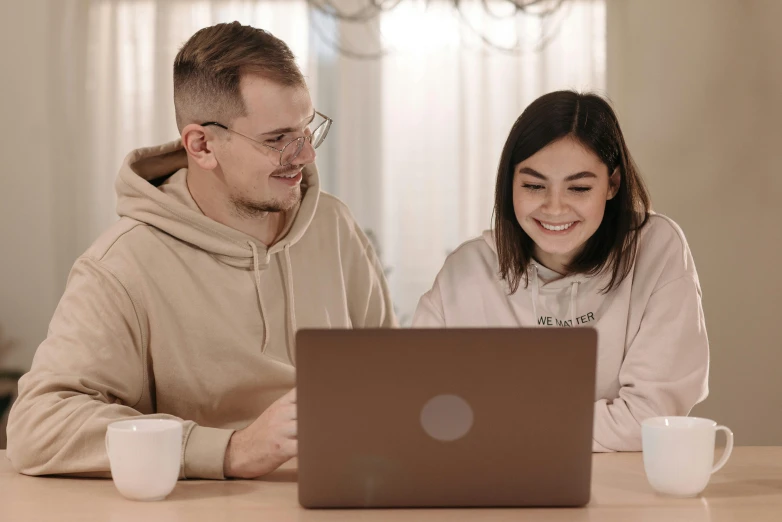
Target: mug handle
(728, 448)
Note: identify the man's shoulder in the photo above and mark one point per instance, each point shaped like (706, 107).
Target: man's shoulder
(332, 208)
(333, 217)
(334, 223)
(124, 244)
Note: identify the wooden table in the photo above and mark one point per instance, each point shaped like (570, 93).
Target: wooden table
(747, 489)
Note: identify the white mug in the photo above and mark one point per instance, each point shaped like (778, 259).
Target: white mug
(678, 453)
(145, 456)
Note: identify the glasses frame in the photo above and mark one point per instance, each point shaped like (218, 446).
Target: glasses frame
(299, 141)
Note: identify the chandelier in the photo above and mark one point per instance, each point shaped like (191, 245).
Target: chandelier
(481, 20)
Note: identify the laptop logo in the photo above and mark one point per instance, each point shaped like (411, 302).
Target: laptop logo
(447, 417)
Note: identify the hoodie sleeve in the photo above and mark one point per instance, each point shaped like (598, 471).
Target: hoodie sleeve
(369, 299)
(666, 366)
(90, 371)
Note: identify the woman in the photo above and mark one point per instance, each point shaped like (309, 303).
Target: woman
(575, 243)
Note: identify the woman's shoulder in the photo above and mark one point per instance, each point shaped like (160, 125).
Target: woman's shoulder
(475, 256)
(661, 233)
(663, 248)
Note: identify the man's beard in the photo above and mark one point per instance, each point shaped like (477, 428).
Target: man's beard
(245, 207)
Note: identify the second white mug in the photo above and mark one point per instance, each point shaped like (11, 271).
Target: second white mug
(678, 453)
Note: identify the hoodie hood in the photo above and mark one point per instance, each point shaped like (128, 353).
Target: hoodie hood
(549, 278)
(141, 196)
(553, 293)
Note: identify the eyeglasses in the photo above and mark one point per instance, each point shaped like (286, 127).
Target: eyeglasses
(294, 147)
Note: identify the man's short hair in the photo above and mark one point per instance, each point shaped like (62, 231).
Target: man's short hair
(209, 67)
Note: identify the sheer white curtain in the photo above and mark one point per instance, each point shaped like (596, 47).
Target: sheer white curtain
(417, 134)
(448, 105)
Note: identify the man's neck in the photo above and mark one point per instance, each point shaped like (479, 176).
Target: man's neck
(214, 204)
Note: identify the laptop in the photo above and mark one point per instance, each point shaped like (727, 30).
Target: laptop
(393, 418)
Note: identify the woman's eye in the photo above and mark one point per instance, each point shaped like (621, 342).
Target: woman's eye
(580, 189)
(277, 139)
(530, 186)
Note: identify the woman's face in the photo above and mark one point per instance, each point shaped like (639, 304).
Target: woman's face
(559, 197)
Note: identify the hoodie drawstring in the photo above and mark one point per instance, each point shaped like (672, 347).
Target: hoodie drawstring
(257, 273)
(291, 315)
(287, 275)
(573, 294)
(535, 291)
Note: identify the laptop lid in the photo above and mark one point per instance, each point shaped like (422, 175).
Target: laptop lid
(445, 417)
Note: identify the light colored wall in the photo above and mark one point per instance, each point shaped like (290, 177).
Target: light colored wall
(28, 289)
(698, 88)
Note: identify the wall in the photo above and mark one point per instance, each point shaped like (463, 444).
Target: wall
(28, 289)
(697, 85)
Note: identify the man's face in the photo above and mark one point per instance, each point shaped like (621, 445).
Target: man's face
(276, 115)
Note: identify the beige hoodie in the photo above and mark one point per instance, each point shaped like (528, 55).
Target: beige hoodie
(653, 352)
(170, 313)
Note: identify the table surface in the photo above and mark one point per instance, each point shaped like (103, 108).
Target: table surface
(748, 488)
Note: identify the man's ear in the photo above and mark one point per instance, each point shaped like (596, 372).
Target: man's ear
(614, 181)
(199, 146)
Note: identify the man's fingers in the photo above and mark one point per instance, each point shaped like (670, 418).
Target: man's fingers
(289, 397)
(292, 395)
(289, 430)
(292, 412)
(290, 448)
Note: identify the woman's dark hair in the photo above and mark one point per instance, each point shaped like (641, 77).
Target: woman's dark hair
(590, 120)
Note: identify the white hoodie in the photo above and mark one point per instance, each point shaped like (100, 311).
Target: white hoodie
(653, 352)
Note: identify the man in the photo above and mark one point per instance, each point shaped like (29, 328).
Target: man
(188, 306)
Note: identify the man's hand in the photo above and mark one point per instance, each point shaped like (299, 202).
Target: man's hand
(266, 444)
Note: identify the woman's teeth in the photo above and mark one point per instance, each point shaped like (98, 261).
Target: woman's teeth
(557, 228)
